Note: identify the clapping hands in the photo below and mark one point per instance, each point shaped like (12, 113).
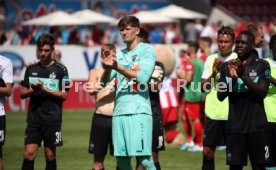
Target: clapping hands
(236, 68)
(109, 59)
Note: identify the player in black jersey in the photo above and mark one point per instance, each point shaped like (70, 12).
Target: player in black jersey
(247, 129)
(44, 83)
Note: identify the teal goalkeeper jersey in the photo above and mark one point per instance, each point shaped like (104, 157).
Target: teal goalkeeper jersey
(132, 96)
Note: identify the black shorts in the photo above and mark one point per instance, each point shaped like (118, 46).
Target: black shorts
(49, 134)
(273, 129)
(2, 130)
(257, 145)
(214, 132)
(158, 142)
(101, 135)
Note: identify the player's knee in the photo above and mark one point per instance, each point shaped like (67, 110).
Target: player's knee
(29, 154)
(208, 153)
(50, 155)
(147, 163)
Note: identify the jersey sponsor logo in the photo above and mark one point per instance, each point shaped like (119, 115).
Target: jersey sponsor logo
(240, 85)
(34, 74)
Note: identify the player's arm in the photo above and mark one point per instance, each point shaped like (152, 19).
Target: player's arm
(260, 88)
(273, 81)
(206, 79)
(93, 83)
(146, 66)
(223, 86)
(189, 73)
(7, 90)
(62, 95)
(25, 90)
(7, 80)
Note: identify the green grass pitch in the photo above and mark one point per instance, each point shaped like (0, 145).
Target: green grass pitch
(73, 154)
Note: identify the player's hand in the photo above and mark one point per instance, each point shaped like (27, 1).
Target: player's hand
(158, 73)
(240, 67)
(217, 65)
(232, 69)
(109, 59)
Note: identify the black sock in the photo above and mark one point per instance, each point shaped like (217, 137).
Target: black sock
(28, 165)
(208, 164)
(157, 165)
(51, 165)
(236, 167)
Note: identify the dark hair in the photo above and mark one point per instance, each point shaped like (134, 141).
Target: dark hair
(227, 30)
(248, 34)
(46, 39)
(129, 20)
(108, 47)
(193, 44)
(144, 34)
(253, 29)
(207, 39)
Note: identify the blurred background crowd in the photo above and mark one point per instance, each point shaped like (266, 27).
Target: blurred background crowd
(14, 12)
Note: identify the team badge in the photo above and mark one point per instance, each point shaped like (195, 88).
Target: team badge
(52, 76)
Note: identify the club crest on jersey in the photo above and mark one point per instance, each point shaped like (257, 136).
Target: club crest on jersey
(52, 76)
(134, 57)
(252, 74)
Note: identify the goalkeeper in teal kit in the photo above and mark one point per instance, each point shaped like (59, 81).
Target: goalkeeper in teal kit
(132, 117)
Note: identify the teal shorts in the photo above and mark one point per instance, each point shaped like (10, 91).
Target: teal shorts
(132, 135)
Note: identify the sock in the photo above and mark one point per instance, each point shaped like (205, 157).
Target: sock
(198, 133)
(124, 163)
(170, 135)
(157, 165)
(236, 167)
(208, 164)
(51, 165)
(188, 129)
(147, 162)
(28, 165)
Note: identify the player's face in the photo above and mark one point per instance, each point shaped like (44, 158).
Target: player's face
(225, 44)
(44, 52)
(244, 46)
(129, 33)
(259, 39)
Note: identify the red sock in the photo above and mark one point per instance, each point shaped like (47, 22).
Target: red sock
(170, 135)
(198, 132)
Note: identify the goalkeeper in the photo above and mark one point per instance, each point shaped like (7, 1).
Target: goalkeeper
(156, 79)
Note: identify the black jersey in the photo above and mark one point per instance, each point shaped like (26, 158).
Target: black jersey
(45, 109)
(246, 108)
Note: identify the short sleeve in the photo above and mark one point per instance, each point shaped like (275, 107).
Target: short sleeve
(7, 75)
(65, 80)
(25, 82)
(206, 74)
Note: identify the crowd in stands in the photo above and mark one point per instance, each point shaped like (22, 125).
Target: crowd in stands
(95, 35)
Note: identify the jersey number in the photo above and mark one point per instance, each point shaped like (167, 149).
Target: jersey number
(266, 152)
(2, 135)
(58, 137)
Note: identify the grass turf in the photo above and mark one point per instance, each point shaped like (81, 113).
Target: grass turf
(73, 154)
